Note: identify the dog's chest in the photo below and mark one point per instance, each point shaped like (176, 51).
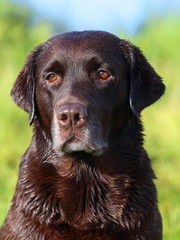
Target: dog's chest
(72, 234)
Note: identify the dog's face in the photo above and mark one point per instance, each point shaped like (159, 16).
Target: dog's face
(76, 85)
(82, 86)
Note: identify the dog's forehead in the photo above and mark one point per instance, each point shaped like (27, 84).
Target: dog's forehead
(86, 39)
(83, 45)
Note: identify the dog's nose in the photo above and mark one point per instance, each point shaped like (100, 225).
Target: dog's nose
(72, 115)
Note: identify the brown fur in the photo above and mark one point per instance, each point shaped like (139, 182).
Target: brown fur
(89, 178)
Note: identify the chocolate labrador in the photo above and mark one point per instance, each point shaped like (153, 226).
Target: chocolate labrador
(85, 174)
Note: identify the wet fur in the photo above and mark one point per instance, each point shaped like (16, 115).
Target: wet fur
(107, 195)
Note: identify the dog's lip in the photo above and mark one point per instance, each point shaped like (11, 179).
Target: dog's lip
(72, 138)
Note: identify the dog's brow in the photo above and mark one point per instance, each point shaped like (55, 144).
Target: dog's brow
(55, 66)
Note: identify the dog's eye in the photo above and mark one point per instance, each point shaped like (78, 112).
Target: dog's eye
(52, 77)
(103, 75)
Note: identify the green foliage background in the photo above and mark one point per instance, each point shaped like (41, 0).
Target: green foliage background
(159, 40)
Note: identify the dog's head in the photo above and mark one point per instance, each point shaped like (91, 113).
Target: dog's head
(82, 86)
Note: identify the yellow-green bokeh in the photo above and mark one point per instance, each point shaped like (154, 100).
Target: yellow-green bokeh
(160, 41)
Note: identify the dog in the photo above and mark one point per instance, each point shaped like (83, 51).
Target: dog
(85, 174)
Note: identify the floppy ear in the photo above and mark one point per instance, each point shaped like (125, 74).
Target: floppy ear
(146, 84)
(24, 86)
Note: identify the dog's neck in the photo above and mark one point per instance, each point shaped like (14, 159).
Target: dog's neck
(75, 186)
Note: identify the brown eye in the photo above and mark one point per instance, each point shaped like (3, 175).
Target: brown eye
(103, 75)
(52, 77)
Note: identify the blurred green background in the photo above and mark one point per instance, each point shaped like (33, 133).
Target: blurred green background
(159, 39)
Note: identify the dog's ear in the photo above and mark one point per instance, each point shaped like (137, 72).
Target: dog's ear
(146, 85)
(24, 87)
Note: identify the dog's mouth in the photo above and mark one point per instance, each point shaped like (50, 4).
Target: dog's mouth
(75, 144)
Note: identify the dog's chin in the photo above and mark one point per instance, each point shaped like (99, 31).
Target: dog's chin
(71, 148)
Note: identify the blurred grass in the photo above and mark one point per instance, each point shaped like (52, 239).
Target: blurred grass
(159, 40)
